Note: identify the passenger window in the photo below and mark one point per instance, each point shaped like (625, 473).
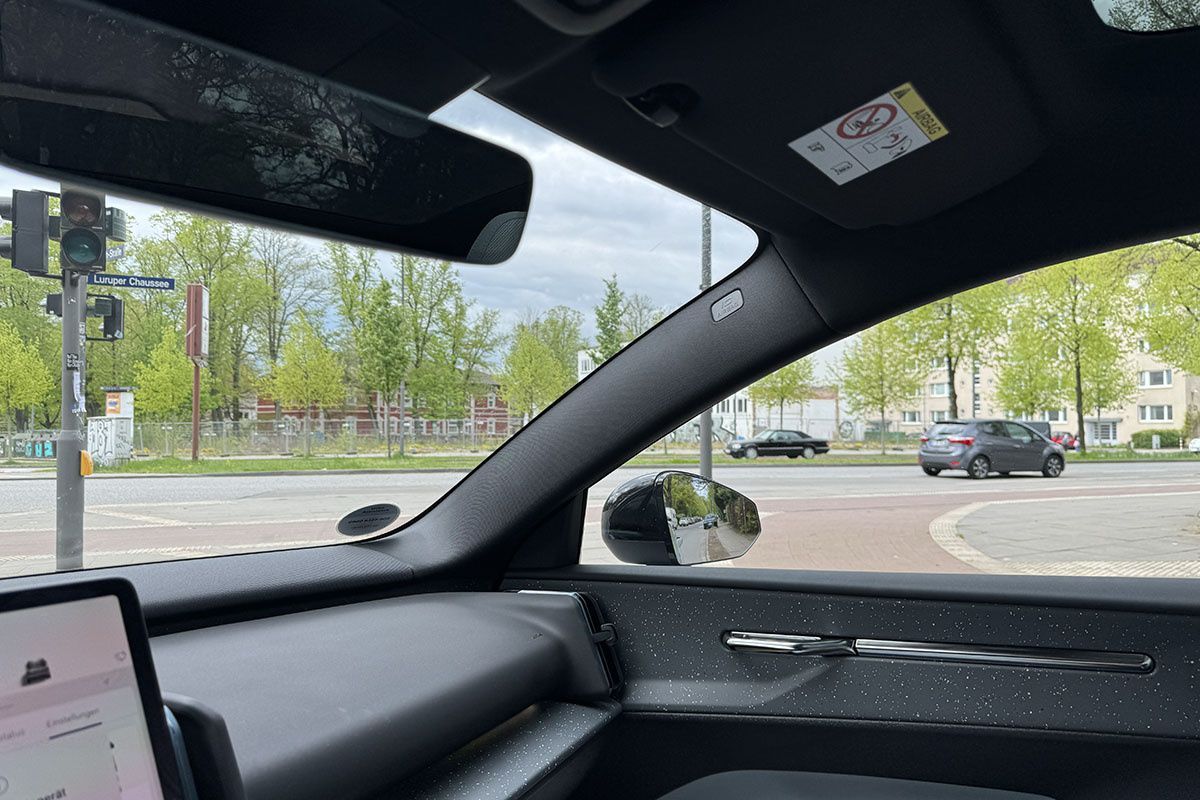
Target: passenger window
(959, 481)
(1018, 432)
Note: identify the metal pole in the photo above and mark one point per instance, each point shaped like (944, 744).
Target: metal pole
(705, 282)
(68, 545)
(195, 411)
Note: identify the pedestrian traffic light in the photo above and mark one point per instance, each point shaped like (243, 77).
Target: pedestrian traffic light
(111, 311)
(113, 323)
(28, 247)
(82, 222)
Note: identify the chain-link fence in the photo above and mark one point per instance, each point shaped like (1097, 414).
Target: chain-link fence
(327, 437)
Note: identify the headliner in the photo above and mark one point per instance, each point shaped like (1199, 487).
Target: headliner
(1066, 137)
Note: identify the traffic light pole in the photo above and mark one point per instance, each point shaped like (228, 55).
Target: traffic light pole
(68, 550)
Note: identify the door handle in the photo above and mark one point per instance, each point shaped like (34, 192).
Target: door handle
(788, 644)
(996, 655)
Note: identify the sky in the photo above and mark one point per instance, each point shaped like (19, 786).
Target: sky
(588, 219)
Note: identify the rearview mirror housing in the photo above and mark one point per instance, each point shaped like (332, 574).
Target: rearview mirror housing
(145, 112)
(675, 518)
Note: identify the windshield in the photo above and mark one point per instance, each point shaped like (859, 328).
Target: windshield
(334, 377)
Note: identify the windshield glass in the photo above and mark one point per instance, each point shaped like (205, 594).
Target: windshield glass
(335, 377)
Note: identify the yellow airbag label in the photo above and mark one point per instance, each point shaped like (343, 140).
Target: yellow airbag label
(921, 114)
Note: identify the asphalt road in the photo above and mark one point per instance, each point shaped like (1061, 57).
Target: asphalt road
(1096, 519)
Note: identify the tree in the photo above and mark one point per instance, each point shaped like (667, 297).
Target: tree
(1170, 294)
(641, 314)
(1027, 380)
(24, 379)
(164, 381)
(532, 377)
(1153, 15)
(1081, 307)
(308, 375)
(959, 327)
(878, 371)
(383, 347)
(292, 284)
(793, 383)
(218, 254)
(610, 332)
(559, 329)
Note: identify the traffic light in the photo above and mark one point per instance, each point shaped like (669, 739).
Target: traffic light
(111, 311)
(28, 247)
(113, 323)
(82, 243)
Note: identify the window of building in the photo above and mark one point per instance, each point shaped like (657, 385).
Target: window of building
(910, 417)
(939, 416)
(1143, 346)
(1154, 377)
(939, 389)
(1156, 413)
(491, 401)
(1055, 415)
(491, 427)
(741, 405)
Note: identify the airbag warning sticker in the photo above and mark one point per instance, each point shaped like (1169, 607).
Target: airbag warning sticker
(889, 127)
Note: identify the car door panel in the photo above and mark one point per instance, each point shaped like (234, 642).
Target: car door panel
(677, 665)
(1028, 450)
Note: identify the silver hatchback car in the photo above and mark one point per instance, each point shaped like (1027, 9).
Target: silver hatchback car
(984, 446)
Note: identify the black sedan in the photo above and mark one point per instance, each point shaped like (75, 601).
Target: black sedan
(778, 443)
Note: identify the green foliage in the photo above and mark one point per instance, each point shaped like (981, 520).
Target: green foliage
(559, 329)
(383, 348)
(1082, 309)
(220, 255)
(308, 375)
(610, 331)
(1027, 379)
(24, 379)
(1170, 310)
(164, 382)
(878, 370)
(793, 383)
(532, 377)
(959, 330)
(1169, 437)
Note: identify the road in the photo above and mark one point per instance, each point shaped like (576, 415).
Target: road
(1125, 519)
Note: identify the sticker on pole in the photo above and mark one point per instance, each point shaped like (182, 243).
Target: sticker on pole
(889, 127)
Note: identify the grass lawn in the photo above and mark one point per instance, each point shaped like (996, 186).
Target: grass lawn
(165, 466)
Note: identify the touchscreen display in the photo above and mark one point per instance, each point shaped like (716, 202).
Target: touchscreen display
(71, 720)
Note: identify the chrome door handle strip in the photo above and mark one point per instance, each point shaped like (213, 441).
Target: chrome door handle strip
(788, 644)
(1052, 658)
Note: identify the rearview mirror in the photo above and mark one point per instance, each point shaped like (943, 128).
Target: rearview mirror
(678, 518)
(90, 95)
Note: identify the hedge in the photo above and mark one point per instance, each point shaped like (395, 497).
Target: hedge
(1169, 438)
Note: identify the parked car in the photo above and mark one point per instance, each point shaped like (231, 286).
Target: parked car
(984, 446)
(1068, 440)
(792, 444)
(1194, 445)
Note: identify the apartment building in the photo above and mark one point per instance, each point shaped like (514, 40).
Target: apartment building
(1163, 398)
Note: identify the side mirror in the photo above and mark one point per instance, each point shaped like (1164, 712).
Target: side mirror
(676, 518)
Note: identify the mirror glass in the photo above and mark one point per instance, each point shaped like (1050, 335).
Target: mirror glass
(87, 94)
(707, 521)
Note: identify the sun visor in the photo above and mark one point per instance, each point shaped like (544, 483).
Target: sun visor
(867, 113)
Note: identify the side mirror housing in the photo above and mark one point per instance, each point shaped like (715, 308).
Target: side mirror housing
(675, 518)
